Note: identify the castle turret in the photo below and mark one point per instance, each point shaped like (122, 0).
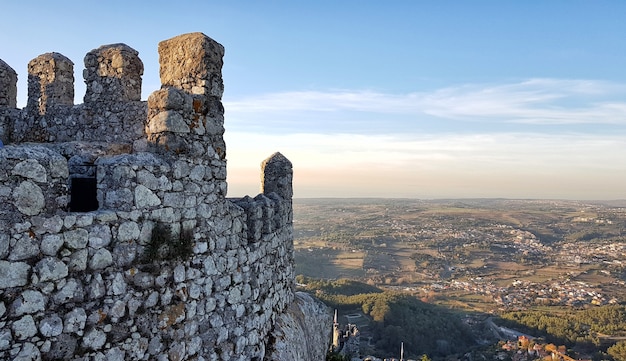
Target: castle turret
(336, 334)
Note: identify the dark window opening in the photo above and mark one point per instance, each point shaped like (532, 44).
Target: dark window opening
(83, 188)
(84, 195)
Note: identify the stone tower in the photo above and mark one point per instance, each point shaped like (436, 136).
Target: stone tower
(336, 334)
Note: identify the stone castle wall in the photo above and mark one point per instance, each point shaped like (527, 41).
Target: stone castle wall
(89, 192)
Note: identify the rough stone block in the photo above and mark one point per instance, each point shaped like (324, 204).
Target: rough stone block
(169, 98)
(168, 121)
(190, 60)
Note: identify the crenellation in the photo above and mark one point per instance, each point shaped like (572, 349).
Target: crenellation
(8, 86)
(50, 83)
(277, 176)
(8, 101)
(113, 74)
(115, 177)
(186, 115)
(112, 112)
(193, 63)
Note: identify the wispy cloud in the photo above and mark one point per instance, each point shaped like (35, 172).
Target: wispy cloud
(536, 101)
(500, 165)
(510, 149)
(536, 138)
(530, 102)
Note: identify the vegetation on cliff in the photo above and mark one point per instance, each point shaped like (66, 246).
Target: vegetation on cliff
(589, 327)
(396, 317)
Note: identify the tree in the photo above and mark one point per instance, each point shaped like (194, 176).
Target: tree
(331, 356)
(618, 351)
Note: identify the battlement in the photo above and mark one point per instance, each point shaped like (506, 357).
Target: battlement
(184, 119)
(88, 191)
(184, 116)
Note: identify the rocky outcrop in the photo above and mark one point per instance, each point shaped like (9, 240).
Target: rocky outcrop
(301, 331)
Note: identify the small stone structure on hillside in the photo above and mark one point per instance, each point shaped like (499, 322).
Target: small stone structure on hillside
(117, 240)
(346, 342)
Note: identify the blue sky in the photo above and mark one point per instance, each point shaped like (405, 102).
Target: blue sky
(426, 99)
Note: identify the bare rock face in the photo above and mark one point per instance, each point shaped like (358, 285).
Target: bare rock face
(302, 332)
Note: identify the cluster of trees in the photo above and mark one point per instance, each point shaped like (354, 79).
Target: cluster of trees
(342, 286)
(618, 351)
(397, 317)
(580, 328)
(425, 260)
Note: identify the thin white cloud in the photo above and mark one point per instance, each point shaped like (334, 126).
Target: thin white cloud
(338, 150)
(440, 165)
(544, 138)
(330, 101)
(534, 101)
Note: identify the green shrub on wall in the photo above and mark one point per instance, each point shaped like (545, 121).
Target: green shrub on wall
(163, 246)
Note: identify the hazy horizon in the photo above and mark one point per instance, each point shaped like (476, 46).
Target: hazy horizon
(427, 100)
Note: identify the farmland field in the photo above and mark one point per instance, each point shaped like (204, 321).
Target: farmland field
(487, 254)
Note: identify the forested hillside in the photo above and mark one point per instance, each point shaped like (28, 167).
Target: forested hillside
(397, 317)
(589, 327)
